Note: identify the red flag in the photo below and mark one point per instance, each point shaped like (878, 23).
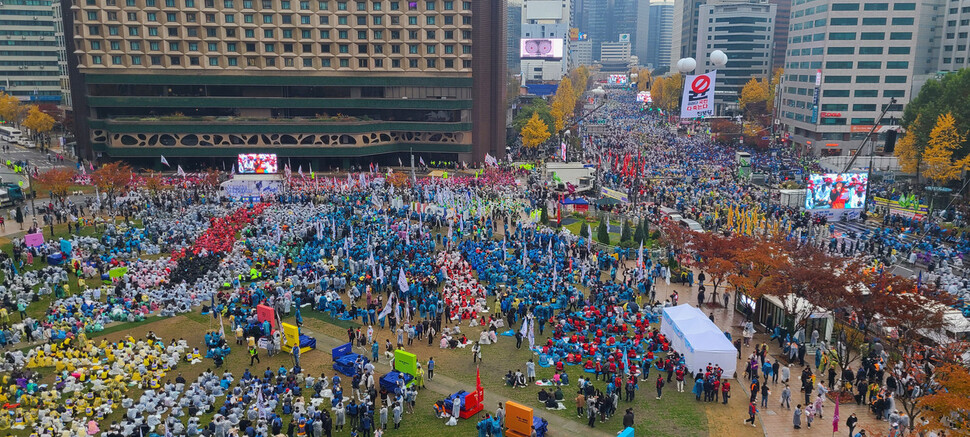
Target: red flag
(835, 417)
(478, 382)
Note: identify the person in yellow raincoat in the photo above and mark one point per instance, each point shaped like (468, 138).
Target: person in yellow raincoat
(419, 377)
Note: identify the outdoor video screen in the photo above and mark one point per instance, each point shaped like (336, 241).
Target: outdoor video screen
(540, 48)
(836, 191)
(258, 163)
(616, 79)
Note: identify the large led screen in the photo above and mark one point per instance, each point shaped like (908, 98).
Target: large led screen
(540, 48)
(836, 191)
(257, 163)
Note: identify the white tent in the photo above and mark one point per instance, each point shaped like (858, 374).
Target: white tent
(691, 333)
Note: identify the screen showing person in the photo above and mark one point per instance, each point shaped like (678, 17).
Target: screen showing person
(257, 163)
(836, 191)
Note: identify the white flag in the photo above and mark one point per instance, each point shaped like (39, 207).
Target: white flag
(402, 282)
(180, 172)
(387, 307)
(299, 170)
(165, 161)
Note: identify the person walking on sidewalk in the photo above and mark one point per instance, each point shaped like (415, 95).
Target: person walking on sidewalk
(850, 423)
(253, 355)
(796, 418)
(752, 411)
(786, 397)
(430, 368)
(764, 395)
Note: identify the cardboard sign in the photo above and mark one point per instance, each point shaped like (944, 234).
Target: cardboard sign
(405, 362)
(518, 419)
(34, 240)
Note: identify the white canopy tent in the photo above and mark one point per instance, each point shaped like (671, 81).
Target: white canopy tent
(691, 333)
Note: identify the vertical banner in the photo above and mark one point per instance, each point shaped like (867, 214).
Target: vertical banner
(818, 84)
(698, 100)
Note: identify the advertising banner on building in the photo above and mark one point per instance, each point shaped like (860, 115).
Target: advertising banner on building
(698, 98)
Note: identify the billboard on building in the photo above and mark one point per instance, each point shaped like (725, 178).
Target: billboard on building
(617, 79)
(644, 97)
(540, 48)
(624, 37)
(836, 190)
(576, 35)
(257, 163)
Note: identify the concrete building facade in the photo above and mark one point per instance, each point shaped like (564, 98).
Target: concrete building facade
(846, 60)
(331, 81)
(744, 30)
(29, 51)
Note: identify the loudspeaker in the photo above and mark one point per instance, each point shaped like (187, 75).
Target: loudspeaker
(890, 141)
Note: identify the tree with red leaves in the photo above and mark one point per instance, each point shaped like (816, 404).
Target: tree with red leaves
(58, 181)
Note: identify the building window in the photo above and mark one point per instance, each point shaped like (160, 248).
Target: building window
(325, 62)
(869, 64)
(232, 61)
(876, 6)
(904, 6)
(895, 79)
(842, 36)
(845, 7)
(844, 21)
(902, 21)
(866, 93)
(872, 36)
(96, 59)
(362, 63)
(896, 36)
(874, 21)
(867, 79)
(897, 65)
(214, 62)
(894, 93)
(270, 62)
(838, 65)
(870, 50)
(838, 79)
(841, 50)
(175, 60)
(307, 62)
(345, 62)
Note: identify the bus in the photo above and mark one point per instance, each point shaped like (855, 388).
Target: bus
(11, 135)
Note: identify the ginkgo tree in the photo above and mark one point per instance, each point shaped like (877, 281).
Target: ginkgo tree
(535, 132)
(38, 121)
(938, 156)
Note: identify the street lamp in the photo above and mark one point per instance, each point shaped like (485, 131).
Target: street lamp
(686, 65)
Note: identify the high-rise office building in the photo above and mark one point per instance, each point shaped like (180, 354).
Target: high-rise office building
(29, 51)
(684, 32)
(606, 20)
(655, 19)
(743, 29)
(780, 40)
(513, 35)
(955, 54)
(544, 21)
(322, 80)
(846, 60)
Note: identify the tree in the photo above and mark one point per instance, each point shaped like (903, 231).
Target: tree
(755, 264)
(38, 121)
(562, 104)
(644, 79)
(947, 406)
(112, 178)
(536, 106)
(154, 182)
(638, 234)
(754, 93)
(910, 148)
(944, 141)
(535, 132)
(805, 282)
(57, 180)
(11, 109)
(716, 254)
(603, 233)
(626, 234)
(543, 215)
(579, 78)
(666, 91)
(583, 230)
(950, 94)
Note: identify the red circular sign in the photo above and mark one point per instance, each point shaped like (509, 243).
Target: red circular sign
(700, 84)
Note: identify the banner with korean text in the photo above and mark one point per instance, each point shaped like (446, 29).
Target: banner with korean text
(698, 100)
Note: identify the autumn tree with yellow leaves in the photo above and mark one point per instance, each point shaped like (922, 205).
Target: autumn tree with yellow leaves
(38, 121)
(563, 104)
(666, 91)
(938, 156)
(11, 109)
(535, 132)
